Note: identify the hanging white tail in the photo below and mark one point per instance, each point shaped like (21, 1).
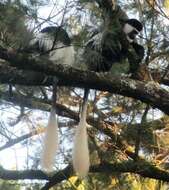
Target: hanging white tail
(50, 143)
(81, 162)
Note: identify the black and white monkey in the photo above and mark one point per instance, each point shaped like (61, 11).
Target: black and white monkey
(55, 44)
(101, 52)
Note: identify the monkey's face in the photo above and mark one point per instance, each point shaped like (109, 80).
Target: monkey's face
(130, 32)
(131, 28)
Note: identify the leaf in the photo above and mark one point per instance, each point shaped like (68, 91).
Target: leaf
(118, 109)
(166, 4)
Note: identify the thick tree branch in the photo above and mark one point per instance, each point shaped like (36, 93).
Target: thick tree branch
(146, 92)
(13, 75)
(21, 175)
(140, 167)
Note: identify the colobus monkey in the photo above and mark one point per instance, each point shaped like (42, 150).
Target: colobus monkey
(132, 27)
(101, 52)
(55, 43)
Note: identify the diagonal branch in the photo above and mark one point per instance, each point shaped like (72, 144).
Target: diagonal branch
(61, 110)
(12, 142)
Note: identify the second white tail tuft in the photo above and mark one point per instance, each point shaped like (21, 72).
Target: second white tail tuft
(81, 160)
(50, 143)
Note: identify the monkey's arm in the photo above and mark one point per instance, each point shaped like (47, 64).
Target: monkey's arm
(135, 55)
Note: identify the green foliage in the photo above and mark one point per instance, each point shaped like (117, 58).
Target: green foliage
(14, 32)
(5, 185)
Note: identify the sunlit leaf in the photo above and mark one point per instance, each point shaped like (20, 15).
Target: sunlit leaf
(166, 6)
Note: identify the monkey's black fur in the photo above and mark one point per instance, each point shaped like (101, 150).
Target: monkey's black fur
(109, 47)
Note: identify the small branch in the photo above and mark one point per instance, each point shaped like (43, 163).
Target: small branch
(12, 142)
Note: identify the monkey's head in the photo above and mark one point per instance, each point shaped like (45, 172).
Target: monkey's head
(131, 28)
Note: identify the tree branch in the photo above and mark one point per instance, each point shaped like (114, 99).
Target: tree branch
(13, 75)
(61, 110)
(146, 92)
(140, 167)
(12, 142)
(58, 177)
(128, 132)
(21, 175)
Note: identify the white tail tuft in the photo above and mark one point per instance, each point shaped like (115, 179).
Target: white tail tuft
(80, 156)
(50, 143)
